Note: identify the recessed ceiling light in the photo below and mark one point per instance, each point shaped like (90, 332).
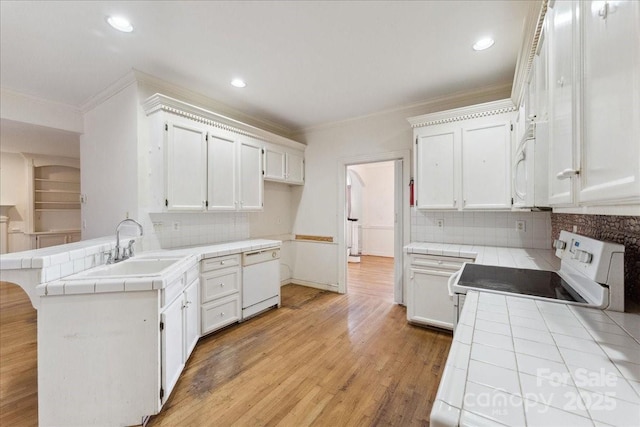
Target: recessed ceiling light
(238, 83)
(120, 24)
(483, 44)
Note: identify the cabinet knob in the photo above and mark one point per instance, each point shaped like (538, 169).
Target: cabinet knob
(222, 314)
(222, 285)
(221, 262)
(561, 81)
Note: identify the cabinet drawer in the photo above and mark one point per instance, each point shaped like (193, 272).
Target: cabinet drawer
(438, 262)
(219, 283)
(220, 262)
(172, 290)
(220, 313)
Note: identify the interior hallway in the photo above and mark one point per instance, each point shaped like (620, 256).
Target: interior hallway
(372, 276)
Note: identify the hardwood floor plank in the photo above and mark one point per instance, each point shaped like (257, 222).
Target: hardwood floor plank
(322, 359)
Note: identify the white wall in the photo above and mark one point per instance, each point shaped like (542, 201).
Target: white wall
(377, 219)
(317, 213)
(109, 159)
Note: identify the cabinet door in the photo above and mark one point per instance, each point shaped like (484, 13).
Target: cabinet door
(561, 25)
(274, 165)
(186, 174)
(251, 183)
(172, 346)
(541, 70)
(610, 157)
(486, 169)
(435, 170)
(221, 165)
(428, 300)
(191, 323)
(295, 168)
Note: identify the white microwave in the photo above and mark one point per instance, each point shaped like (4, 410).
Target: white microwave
(530, 167)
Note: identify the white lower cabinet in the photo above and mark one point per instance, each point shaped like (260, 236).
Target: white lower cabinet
(180, 331)
(220, 292)
(428, 299)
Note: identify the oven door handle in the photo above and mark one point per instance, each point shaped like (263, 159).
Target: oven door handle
(452, 279)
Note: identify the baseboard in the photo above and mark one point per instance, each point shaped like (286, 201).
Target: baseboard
(324, 286)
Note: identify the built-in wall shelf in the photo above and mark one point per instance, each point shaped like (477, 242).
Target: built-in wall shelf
(54, 198)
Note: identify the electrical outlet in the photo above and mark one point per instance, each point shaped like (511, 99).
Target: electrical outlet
(521, 225)
(440, 223)
(175, 226)
(157, 226)
(575, 228)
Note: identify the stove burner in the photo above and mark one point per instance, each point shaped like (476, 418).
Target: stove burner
(539, 283)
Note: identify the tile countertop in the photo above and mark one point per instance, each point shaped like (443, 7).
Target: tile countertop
(50, 266)
(536, 259)
(520, 362)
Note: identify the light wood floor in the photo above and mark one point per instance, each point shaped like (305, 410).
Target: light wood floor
(322, 359)
(372, 276)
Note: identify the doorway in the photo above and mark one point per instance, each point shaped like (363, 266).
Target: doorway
(399, 223)
(370, 229)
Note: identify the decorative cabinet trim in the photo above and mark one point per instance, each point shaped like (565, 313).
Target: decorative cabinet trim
(464, 113)
(159, 102)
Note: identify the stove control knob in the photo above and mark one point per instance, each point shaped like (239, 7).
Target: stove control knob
(583, 256)
(559, 244)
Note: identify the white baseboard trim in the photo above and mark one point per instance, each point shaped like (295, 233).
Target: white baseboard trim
(333, 287)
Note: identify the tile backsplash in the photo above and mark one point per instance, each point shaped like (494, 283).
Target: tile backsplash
(482, 228)
(174, 230)
(618, 229)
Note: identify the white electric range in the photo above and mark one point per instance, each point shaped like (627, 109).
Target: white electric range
(591, 274)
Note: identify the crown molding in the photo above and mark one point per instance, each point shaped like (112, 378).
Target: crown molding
(464, 113)
(441, 103)
(108, 92)
(159, 102)
(532, 32)
(161, 86)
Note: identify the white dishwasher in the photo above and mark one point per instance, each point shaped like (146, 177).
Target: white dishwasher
(260, 281)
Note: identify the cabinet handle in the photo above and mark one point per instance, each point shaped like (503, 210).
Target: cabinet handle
(455, 202)
(221, 262)
(222, 285)
(222, 314)
(567, 173)
(604, 10)
(561, 82)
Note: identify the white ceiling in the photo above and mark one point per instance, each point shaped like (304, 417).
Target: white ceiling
(305, 63)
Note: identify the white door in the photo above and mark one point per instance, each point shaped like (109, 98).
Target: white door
(251, 182)
(561, 108)
(399, 206)
(221, 166)
(486, 168)
(186, 173)
(295, 168)
(428, 300)
(435, 170)
(191, 323)
(610, 164)
(274, 164)
(172, 346)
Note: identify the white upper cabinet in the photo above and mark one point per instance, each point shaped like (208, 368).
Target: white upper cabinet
(250, 190)
(462, 157)
(561, 31)
(186, 166)
(202, 161)
(610, 157)
(222, 179)
(486, 161)
(283, 165)
(435, 170)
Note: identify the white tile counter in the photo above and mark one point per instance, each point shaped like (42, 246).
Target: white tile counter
(537, 259)
(521, 362)
(42, 272)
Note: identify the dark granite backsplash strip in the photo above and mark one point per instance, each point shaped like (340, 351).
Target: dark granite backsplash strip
(617, 229)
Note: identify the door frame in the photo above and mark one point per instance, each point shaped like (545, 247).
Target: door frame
(402, 221)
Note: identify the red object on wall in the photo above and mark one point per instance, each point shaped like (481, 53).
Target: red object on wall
(411, 199)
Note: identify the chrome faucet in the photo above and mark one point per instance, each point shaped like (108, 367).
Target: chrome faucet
(128, 251)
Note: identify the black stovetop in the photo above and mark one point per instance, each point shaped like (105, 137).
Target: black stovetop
(540, 283)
